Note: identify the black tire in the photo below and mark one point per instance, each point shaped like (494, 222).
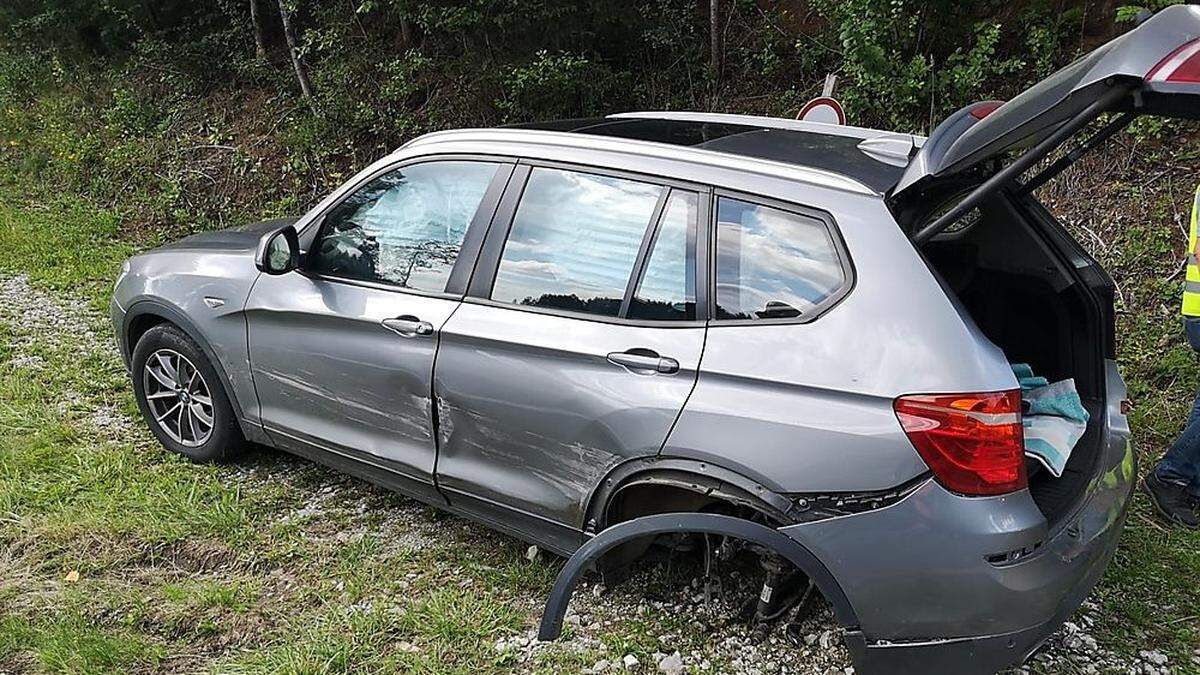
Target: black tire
(224, 439)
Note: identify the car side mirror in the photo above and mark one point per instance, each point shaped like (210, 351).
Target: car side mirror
(278, 251)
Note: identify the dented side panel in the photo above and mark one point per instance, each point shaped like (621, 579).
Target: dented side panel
(807, 407)
(533, 415)
(199, 284)
(328, 372)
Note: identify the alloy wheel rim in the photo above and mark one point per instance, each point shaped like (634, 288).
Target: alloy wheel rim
(178, 398)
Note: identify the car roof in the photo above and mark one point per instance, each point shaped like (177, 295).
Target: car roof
(871, 157)
(539, 144)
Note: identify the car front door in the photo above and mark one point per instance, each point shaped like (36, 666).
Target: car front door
(576, 348)
(342, 352)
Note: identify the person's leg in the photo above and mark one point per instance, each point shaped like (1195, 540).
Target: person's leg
(1171, 481)
(1188, 463)
(1179, 464)
(1193, 458)
(1174, 483)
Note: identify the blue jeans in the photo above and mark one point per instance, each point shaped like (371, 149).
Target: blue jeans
(1181, 464)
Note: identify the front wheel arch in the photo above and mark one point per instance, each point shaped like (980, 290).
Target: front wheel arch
(185, 380)
(145, 314)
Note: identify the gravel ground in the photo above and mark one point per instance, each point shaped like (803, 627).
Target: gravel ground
(342, 509)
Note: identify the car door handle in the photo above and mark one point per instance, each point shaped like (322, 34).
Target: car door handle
(408, 326)
(644, 361)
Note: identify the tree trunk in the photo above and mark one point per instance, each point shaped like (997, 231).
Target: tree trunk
(260, 38)
(406, 32)
(714, 34)
(404, 10)
(289, 32)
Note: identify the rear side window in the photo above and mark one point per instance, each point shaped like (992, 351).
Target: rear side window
(771, 263)
(574, 241)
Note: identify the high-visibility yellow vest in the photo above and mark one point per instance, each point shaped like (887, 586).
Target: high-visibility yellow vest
(1191, 284)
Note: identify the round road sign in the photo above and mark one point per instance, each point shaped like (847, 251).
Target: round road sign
(822, 109)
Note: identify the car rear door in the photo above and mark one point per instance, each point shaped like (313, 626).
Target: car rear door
(576, 347)
(1153, 69)
(342, 351)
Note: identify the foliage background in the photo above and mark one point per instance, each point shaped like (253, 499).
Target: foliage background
(163, 108)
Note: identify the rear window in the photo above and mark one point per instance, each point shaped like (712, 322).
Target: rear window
(772, 263)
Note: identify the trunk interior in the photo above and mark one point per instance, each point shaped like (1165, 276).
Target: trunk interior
(1017, 274)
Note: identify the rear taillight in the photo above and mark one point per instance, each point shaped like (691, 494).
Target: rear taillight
(1181, 65)
(973, 443)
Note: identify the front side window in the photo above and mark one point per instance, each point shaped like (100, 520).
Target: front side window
(405, 227)
(771, 263)
(574, 241)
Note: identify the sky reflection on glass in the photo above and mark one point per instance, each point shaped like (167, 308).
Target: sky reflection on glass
(574, 241)
(772, 263)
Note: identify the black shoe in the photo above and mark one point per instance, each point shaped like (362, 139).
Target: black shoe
(1172, 501)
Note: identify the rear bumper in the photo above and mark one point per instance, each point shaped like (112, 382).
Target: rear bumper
(925, 579)
(1066, 572)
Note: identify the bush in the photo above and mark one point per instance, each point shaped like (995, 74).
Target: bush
(165, 110)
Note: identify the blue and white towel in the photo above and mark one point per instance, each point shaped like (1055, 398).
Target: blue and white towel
(1053, 416)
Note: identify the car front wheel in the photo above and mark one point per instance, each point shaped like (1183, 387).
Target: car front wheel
(181, 397)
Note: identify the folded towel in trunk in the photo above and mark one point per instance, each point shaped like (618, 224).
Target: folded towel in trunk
(1026, 378)
(1053, 417)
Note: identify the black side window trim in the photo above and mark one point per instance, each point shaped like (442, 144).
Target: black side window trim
(464, 263)
(487, 264)
(822, 216)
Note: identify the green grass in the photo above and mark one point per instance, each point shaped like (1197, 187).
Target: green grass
(70, 641)
(60, 240)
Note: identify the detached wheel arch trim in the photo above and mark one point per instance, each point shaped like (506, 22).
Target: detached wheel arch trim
(689, 523)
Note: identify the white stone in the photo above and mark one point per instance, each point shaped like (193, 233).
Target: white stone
(671, 665)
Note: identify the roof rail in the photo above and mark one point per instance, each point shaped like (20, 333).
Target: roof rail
(708, 158)
(769, 123)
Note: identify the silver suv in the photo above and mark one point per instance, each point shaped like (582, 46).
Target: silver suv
(591, 333)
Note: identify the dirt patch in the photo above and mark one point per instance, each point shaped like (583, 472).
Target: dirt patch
(193, 556)
(37, 317)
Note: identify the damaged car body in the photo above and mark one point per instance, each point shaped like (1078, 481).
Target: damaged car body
(604, 334)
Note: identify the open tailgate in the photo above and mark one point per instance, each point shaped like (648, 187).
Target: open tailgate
(1156, 65)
